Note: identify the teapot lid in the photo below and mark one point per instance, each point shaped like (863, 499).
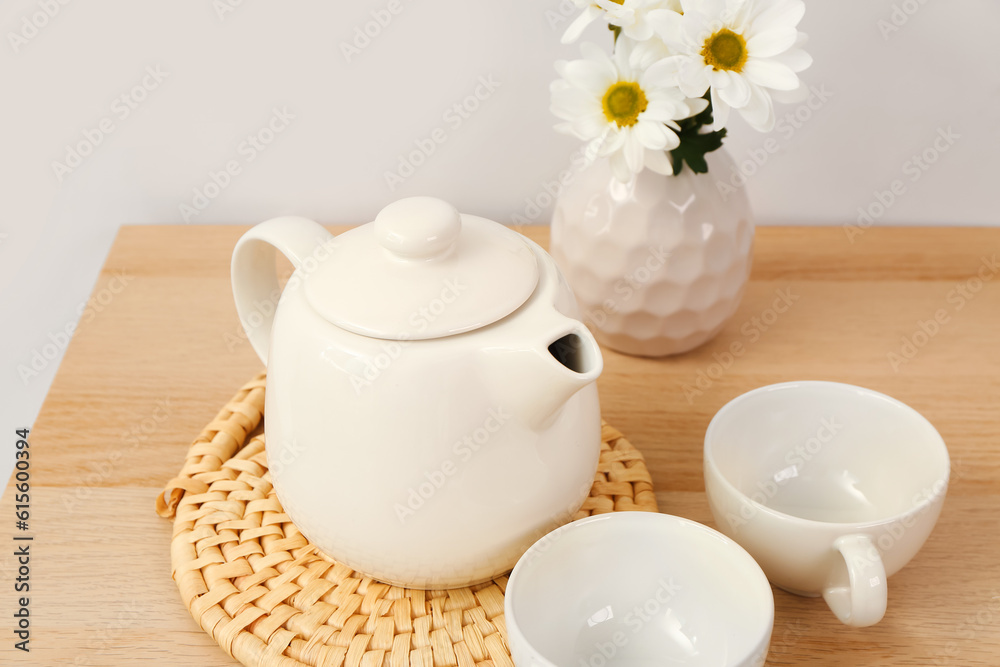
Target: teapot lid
(421, 270)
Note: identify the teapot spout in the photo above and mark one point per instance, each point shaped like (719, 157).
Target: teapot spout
(540, 376)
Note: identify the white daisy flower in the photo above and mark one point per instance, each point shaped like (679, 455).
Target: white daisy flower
(625, 105)
(738, 49)
(629, 15)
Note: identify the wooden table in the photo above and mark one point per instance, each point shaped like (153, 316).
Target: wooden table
(162, 351)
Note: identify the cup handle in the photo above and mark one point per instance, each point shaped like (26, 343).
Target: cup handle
(856, 588)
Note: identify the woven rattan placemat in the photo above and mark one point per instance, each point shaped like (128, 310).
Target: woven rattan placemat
(264, 593)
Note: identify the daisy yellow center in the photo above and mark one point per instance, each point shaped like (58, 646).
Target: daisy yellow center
(623, 103)
(725, 50)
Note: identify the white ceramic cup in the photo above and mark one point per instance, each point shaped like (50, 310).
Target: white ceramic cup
(637, 589)
(830, 487)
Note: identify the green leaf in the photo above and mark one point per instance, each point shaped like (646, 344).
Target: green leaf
(695, 143)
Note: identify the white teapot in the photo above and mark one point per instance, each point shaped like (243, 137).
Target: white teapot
(431, 408)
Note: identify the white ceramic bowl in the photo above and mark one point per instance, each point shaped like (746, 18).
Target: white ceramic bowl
(637, 589)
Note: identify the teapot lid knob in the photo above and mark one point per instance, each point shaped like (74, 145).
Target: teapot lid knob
(418, 227)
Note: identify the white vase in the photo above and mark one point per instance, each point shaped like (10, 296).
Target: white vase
(658, 265)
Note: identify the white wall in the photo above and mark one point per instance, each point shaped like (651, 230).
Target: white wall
(226, 71)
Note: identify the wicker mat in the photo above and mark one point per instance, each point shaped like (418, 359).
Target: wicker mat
(261, 590)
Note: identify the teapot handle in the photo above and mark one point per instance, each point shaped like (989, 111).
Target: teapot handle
(255, 277)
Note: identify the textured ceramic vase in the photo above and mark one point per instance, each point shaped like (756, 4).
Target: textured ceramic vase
(658, 265)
